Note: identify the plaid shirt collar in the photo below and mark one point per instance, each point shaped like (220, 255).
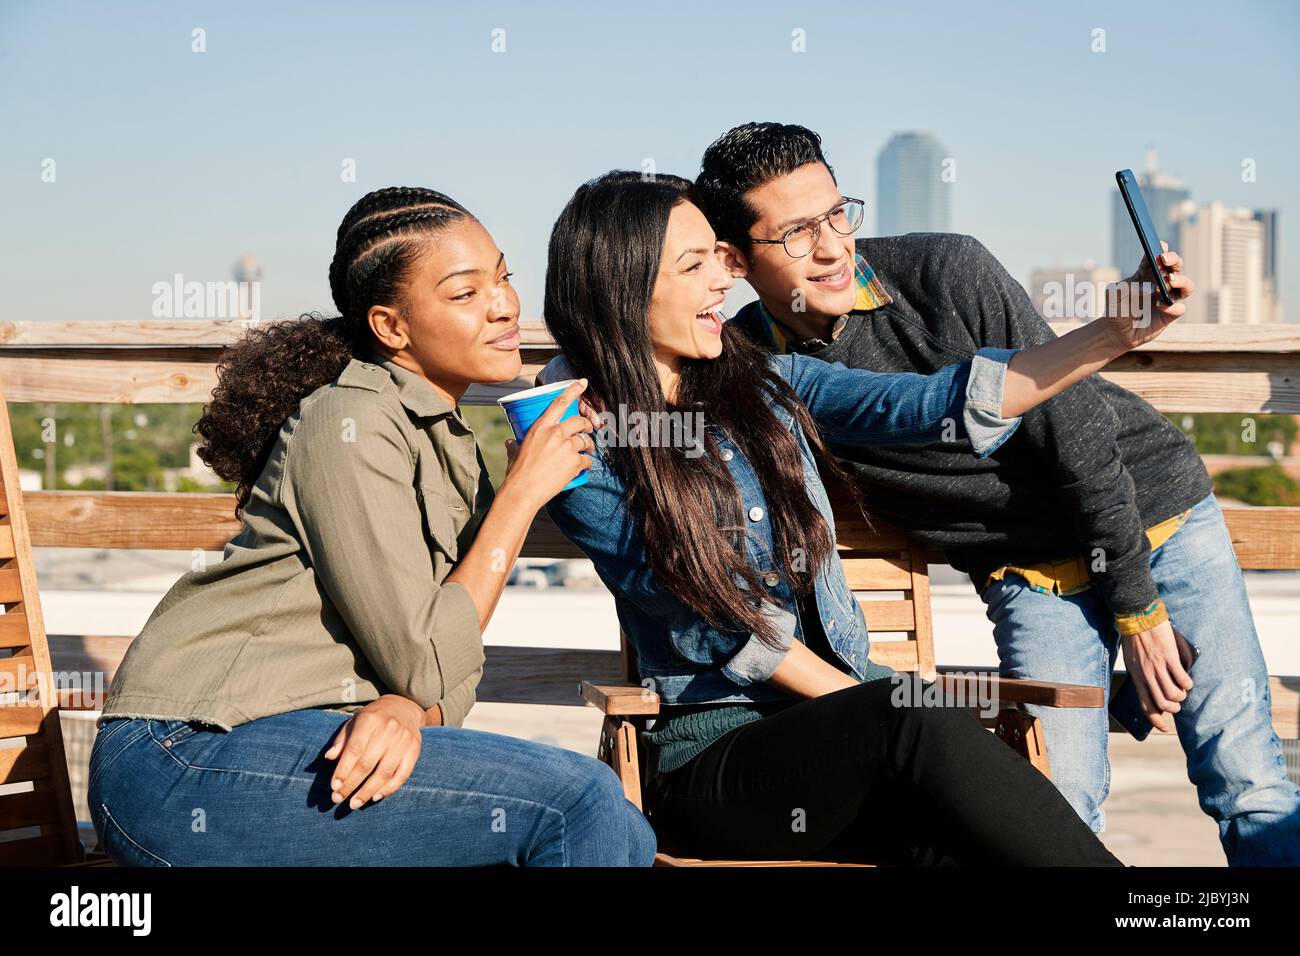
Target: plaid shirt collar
(871, 295)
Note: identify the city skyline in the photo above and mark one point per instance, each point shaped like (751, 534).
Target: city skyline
(163, 161)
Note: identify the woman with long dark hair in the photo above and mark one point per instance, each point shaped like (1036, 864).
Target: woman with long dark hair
(333, 654)
(778, 737)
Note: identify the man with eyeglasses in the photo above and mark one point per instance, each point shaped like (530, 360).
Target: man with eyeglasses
(1093, 530)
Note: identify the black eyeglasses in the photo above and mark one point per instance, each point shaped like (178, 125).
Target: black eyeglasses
(801, 240)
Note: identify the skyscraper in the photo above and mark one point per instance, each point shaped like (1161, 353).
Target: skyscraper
(912, 192)
(1164, 196)
(1268, 220)
(1224, 251)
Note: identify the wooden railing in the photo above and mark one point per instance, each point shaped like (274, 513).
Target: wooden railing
(1248, 370)
(1201, 368)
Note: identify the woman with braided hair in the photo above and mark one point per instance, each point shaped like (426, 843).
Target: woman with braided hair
(301, 702)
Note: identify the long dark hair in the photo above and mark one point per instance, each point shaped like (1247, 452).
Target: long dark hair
(262, 378)
(602, 263)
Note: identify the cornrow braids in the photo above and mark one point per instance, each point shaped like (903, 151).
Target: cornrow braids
(262, 378)
(374, 246)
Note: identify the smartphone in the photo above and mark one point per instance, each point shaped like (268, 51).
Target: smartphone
(1146, 229)
(1126, 706)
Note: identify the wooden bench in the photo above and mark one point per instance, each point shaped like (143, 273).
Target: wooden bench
(1206, 369)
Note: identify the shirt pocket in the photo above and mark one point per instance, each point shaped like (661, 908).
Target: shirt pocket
(437, 522)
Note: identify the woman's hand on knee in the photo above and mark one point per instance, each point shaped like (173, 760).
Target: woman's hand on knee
(376, 750)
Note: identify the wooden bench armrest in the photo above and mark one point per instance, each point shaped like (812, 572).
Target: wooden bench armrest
(1014, 690)
(621, 700)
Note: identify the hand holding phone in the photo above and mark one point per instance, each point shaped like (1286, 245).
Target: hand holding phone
(1126, 705)
(1146, 229)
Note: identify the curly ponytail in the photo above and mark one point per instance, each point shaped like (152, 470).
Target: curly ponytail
(262, 378)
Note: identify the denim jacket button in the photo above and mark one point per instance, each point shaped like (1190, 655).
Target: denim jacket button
(727, 454)
(771, 579)
(755, 513)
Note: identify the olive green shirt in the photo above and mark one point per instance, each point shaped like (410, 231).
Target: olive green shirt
(334, 592)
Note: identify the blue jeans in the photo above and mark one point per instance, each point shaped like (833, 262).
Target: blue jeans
(1225, 725)
(172, 793)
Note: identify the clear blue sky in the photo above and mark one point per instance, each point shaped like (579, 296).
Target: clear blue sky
(170, 161)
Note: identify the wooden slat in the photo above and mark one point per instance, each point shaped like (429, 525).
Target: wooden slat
(520, 675)
(856, 536)
(888, 615)
(123, 376)
(217, 333)
(79, 699)
(1265, 538)
(126, 519)
(544, 675)
(877, 574)
(20, 720)
(14, 630)
(182, 522)
(1282, 338)
(920, 573)
(621, 700)
(1185, 383)
(18, 764)
(900, 655)
(545, 540)
(213, 334)
(28, 809)
(133, 377)
(18, 671)
(1192, 368)
(79, 654)
(973, 685)
(11, 586)
(6, 541)
(167, 333)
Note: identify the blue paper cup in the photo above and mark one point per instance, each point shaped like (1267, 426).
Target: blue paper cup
(524, 408)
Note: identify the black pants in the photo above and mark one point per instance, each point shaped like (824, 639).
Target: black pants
(851, 776)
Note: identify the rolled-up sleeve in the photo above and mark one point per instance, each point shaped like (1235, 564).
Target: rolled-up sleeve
(982, 416)
(757, 661)
(456, 705)
(349, 482)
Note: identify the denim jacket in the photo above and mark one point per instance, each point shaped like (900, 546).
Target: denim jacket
(693, 662)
